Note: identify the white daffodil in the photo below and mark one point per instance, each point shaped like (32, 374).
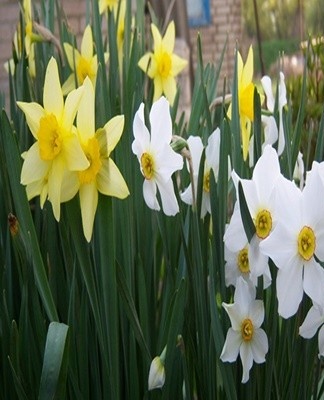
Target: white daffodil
(259, 193)
(245, 337)
(314, 320)
(238, 263)
(157, 159)
(156, 377)
(211, 163)
(272, 130)
(295, 240)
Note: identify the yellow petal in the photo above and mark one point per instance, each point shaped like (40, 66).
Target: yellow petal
(88, 201)
(34, 168)
(245, 132)
(33, 113)
(86, 117)
(71, 107)
(70, 185)
(144, 62)
(55, 178)
(178, 64)
(247, 74)
(110, 181)
(239, 68)
(114, 129)
(246, 101)
(169, 37)
(158, 88)
(53, 96)
(74, 156)
(69, 85)
(87, 43)
(169, 89)
(157, 38)
(72, 55)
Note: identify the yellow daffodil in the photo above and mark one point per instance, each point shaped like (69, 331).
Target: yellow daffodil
(120, 15)
(102, 173)
(107, 5)
(245, 90)
(49, 163)
(162, 65)
(82, 63)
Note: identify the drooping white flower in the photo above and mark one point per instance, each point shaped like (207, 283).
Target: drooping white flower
(157, 159)
(245, 337)
(313, 321)
(211, 163)
(259, 193)
(295, 240)
(282, 101)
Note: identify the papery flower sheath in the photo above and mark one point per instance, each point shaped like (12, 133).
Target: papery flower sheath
(102, 174)
(57, 152)
(162, 65)
(83, 63)
(158, 161)
(245, 337)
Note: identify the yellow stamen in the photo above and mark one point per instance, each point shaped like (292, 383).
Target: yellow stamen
(147, 163)
(206, 182)
(49, 137)
(247, 330)
(243, 261)
(92, 152)
(306, 243)
(263, 224)
(164, 63)
(83, 70)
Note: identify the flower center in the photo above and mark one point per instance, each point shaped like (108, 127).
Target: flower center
(243, 261)
(306, 243)
(147, 164)
(206, 182)
(83, 70)
(49, 137)
(247, 330)
(92, 152)
(263, 224)
(164, 64)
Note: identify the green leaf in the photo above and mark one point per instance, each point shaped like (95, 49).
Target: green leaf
(54, 373)
(245, 214)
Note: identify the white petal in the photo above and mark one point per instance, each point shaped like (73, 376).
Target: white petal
(256, 313)
(259, 346)
(235, 238)
(243, 296)
(290, 289)
(314, 281)
(257, 260)
(271, 132)
(196, 148)
(161, 124)
(231, 346)
(267, 87)
(235, 314)
(141, 133)
(186, 195)
(247, 360)
(314, 319)
(149, 193)
(167, 162)
(321, 342)
(169, 201)
(212, 151)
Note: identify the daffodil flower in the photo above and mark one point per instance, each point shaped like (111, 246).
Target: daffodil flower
(162, 65)
(105, 5)
(57, 151)
(245, 337)
(259, 194)
(282, 101)
(211, 163)
(295, 241)
(313, 321)
(245, 91)
(82, 63)
(102, 174)
(156, 158)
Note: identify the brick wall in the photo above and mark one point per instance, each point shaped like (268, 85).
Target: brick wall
(225, 20)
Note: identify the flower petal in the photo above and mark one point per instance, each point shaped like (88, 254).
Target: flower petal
(53, 96)
(256, 313)
(33, 113)
(34, 168)
(87, 43)
(169, 37)
(141, 133)
(114, 128)
(149, 193)
(314, 319)
(161, 124)
(86, 112)
(88, 201)
(110, 181)
(55, 178)
(169, 201)
(169, 88)
(267, 87)
(71, 107)
(231, 346)
(74, 156)
(259, 346)
(247, 360)
(314, 281)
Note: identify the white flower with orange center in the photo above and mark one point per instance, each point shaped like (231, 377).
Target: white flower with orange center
(259, 194)
(156, 158)
(245, 337)
(102, 174)
(297, 241)
(52, 161)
